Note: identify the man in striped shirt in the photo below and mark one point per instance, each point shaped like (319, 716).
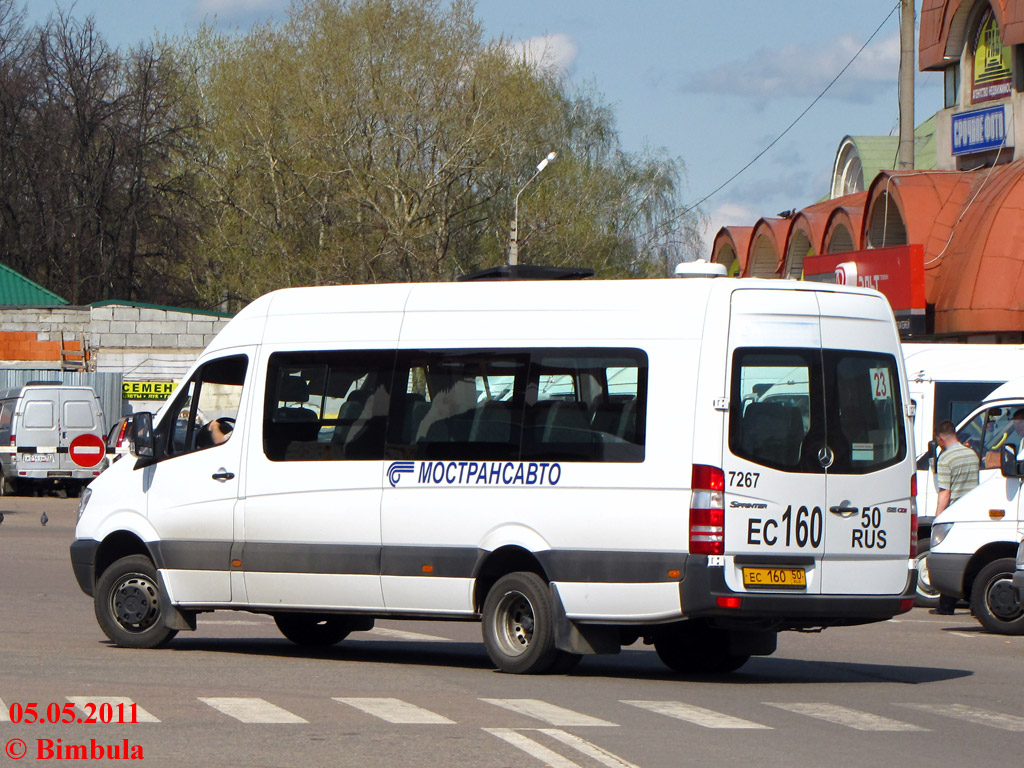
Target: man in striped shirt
(957, 470)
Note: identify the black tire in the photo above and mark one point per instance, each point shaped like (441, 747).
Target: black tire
(518, 625)
(927, 596)
(696, 649)
(994, 600)
(313, 630)
(127, 601)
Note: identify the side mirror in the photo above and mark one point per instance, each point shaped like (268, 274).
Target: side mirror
(933, 455)
(143, 444)
(1009, 465)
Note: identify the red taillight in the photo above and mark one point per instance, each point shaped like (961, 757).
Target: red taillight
(707, 512)
(913, 516)
(728, 602)
(120, 434)
(14, 440)
(906, 604)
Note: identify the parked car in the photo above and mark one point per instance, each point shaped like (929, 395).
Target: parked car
(119, 438)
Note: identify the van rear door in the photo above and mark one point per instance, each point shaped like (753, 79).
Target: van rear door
(774, 485)
(868, 512)
(815, 405)
(79, 415)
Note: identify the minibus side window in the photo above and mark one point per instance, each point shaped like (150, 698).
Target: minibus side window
(213, 394)
(527, 404)
(458, 405)
(6, 414)
(327, 405)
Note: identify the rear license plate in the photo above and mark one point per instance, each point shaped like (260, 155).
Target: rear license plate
(32, 458)
(793, 578)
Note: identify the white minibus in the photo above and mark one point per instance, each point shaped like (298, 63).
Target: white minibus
(578, 464)
(974, 541)
(948, 382)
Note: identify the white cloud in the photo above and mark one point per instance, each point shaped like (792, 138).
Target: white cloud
(727, 215)
(558, 51)
(804, 71)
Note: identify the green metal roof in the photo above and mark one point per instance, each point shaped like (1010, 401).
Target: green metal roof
(878, 153)
(123, 303)
(16, 290)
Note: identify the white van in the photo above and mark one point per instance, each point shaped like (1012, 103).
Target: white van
(974, 541)
(948, 382)
(577, 463)
(38, 424)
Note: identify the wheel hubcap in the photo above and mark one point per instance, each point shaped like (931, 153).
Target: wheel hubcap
(514, 621)
(135, 603)
(1002, 599)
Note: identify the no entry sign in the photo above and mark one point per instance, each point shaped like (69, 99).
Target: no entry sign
(87, 450)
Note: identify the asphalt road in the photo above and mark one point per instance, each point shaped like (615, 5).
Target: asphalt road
(919, 691)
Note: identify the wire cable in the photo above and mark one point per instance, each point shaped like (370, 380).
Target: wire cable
(778, 138)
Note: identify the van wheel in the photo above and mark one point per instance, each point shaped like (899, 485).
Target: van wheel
(927, 596)
(313, 630)
(518, 625)
(696, 650)
(995, 601)
(128, 604)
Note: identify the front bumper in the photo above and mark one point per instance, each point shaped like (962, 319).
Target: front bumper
(703, 585)
(946, 573)
(83, 562)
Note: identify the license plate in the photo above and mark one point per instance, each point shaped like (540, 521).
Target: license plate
(35, 457)
(794, 578)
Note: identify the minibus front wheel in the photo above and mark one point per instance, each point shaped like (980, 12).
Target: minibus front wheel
(519, 626)
(127, 602)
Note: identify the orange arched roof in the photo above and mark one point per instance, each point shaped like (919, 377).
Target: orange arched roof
(982, 270)
(774, 231)
(944, 28)
(737, 238)
(929, 203)
(849, 214)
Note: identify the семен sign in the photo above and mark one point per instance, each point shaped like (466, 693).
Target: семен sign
(146, 390)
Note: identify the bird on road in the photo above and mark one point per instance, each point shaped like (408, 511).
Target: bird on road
(44, 519)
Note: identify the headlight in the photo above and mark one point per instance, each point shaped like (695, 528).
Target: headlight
(83, 500)
(939, 532)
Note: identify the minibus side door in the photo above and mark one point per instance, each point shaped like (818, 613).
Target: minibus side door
(193, 489)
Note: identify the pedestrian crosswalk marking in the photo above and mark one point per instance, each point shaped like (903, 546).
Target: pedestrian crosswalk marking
(397, 711)
(551, 758)
(697, 715)
(549, 713)
(141, 715)
(978, 716)
(252, 710)
(851, 718)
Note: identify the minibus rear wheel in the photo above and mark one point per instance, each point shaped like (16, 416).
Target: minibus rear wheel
(313, 630)
(519, 626)
(127, 602)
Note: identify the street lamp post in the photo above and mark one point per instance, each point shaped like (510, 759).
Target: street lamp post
(513, 248)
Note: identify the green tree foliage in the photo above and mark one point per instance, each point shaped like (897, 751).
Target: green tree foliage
(93, 206)
(356, 141)
(382, 140)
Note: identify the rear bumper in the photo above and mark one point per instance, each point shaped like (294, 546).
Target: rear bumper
(946, 573)
(83, 562)
(703, 585)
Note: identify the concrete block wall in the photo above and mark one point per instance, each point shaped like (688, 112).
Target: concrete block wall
(141, 343)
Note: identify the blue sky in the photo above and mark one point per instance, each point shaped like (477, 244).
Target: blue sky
(711, 82)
